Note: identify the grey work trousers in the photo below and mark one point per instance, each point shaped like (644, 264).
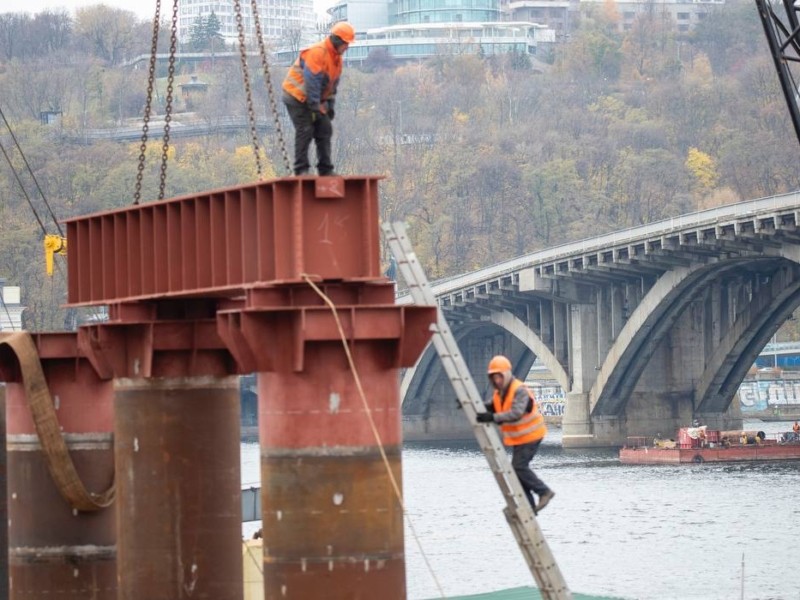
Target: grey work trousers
(308, 126)
(521, 456)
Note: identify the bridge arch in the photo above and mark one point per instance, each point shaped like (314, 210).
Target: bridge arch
(517, 327)
(658, 311)
(419, 381)
(737, 351)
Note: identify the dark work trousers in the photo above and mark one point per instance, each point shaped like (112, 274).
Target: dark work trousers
(521, 456)
(306, 128)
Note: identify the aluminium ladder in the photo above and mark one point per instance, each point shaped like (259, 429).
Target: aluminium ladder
(518, 511)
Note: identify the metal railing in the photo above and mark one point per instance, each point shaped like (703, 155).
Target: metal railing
(687, 222)
(177, 129)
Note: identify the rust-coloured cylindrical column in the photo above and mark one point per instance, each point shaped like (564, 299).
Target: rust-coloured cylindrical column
(179, 508)
(55, 551)
(333, 527)
(3, 498)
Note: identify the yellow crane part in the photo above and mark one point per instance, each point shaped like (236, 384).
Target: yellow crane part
(53, 244)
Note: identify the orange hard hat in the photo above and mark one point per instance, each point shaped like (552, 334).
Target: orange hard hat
(499, 364)
(345, 31)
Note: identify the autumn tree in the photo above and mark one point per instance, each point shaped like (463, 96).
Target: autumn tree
(107, 31)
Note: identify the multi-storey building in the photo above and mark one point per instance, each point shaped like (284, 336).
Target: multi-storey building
(683, 15)
(417, 29)
(416, 42)
(283, 21)
(559, 15)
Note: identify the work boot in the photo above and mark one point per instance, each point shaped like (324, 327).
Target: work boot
(300, 172)
(544, 499)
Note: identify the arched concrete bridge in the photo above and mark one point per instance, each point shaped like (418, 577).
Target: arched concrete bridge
(645, 328)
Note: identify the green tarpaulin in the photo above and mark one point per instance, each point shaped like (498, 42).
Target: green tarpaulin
(524, 593)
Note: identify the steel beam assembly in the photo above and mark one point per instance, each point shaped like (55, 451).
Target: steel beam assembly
(219, 243)
(333, 526)
(201, 288)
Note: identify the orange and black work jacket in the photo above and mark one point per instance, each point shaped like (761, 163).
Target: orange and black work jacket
(314, 76)
(519, 424)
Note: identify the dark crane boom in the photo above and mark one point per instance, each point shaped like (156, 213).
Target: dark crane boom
(780, 21)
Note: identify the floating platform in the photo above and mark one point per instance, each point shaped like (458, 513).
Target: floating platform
(765, 451)
(699, 445)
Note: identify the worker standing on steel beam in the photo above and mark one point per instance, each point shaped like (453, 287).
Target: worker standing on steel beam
(309, 92)
(514, 408)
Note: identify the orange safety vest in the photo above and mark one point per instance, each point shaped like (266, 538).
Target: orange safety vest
(529, 427)
(324, 62)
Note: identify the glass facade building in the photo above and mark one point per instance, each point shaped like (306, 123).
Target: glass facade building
(420, 29)
(361, 14)
(417, 42)
(415, 12)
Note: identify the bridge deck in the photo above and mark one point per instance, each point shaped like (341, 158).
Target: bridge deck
(758, 213)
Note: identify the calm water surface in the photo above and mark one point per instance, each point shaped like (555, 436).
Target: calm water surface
(657, 532)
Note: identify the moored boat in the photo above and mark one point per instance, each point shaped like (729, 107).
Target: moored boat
(700, 444)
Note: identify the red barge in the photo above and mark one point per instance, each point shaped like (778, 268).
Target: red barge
(699, 445)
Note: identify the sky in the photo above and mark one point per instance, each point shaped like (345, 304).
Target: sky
(143, 8)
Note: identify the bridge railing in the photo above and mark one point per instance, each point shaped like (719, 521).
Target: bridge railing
(703, 218)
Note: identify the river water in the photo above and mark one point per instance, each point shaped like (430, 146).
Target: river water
(647, 531)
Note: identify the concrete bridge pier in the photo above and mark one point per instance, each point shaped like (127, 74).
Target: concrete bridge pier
(576, 424)
(647, 414)
(662, 377)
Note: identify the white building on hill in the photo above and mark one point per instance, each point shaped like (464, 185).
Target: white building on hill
(282, 21)
(10, 309)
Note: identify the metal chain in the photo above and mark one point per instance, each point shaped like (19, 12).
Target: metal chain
(173, 43)
(151, 77)
(270, 90)
(251, 113)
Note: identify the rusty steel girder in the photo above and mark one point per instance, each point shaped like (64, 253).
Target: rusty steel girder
(292, 317)
(220, 242)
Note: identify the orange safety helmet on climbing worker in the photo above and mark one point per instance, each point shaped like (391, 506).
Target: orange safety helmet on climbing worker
(529, 427)
(314, 76)
(345, 31)
(498, 364)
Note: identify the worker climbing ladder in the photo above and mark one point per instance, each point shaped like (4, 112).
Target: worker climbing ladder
(518, 511)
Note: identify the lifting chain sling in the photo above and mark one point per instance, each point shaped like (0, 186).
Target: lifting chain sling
(267, 83)
(151, 77)
(273, 105)
(173, 43)
(170, 81)
(251, 113)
